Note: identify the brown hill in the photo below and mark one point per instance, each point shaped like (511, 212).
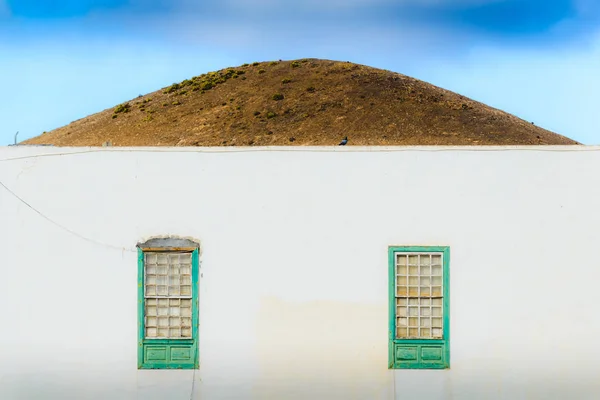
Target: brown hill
(302, 102)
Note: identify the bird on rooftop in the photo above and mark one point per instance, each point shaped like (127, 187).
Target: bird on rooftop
(343, 142)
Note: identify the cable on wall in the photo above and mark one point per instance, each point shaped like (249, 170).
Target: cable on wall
(96, 242)
(331, 149)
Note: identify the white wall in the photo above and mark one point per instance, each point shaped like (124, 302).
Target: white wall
(293, 293)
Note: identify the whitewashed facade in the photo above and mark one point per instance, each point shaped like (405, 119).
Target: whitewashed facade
(293, 291)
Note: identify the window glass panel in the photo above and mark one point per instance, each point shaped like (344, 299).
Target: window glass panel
(162, 269)
(401, 332)
(161, 290)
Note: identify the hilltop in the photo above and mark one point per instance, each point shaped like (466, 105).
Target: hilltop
(300, 102)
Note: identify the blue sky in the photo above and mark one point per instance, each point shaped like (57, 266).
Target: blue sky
(63, 60)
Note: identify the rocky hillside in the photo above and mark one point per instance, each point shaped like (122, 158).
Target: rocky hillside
(301, 102)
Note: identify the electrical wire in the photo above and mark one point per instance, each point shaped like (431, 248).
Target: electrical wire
(193, 384)
(96, 242)
(328, 149)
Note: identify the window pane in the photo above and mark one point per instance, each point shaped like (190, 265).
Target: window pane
(161, 290)
(186, 290)
(163, 310)
(401, 270)
(185, 270)
(161, 280)
(150, 290)
(186, 280)
(162, 269)
(186, 311)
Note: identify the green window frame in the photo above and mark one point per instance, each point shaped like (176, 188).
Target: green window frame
(168, 352)
(410, 348)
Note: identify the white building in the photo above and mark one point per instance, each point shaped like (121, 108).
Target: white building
(295, 292)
